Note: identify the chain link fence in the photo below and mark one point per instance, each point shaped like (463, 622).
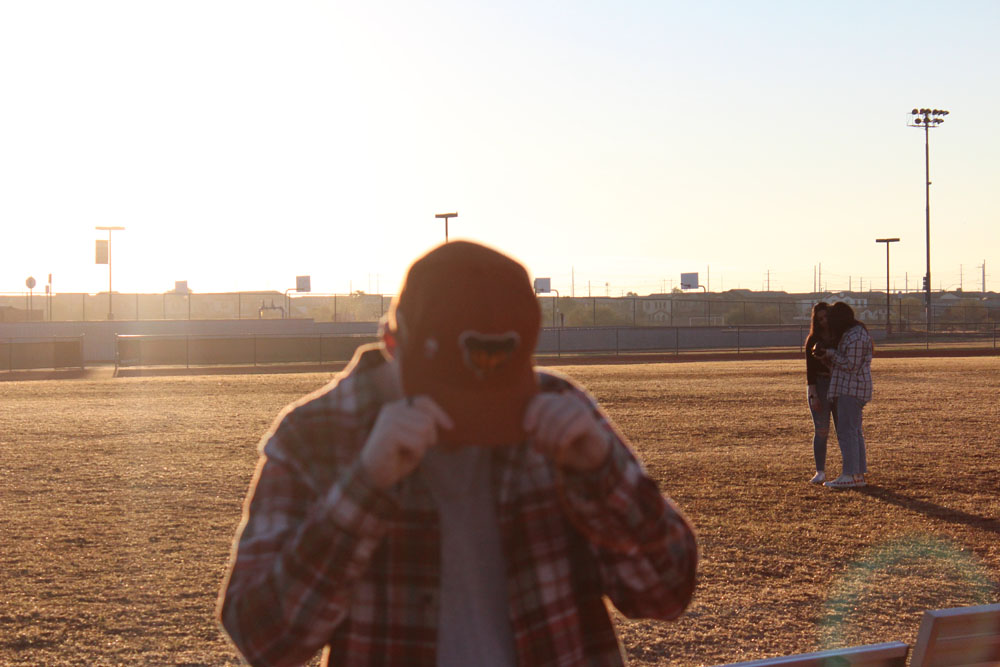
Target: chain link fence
(906, 313)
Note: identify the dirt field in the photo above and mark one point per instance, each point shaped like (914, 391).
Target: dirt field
(119, 499)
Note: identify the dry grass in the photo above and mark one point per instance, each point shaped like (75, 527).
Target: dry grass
(119, 500)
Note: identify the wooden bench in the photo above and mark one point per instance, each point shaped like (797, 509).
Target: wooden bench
(961, 636)
(888, 654)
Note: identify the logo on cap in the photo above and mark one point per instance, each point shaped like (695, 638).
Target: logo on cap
(484, 354)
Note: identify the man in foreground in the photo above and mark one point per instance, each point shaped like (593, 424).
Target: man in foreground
(443, 503)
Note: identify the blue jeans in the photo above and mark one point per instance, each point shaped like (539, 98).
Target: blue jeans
(850, 435)
(821, 421)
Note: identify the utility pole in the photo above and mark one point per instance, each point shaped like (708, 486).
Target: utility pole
(983, 267)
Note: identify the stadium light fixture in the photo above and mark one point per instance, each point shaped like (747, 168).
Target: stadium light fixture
(111, 313)
(446, 216)
(888, 302)
(926, 119)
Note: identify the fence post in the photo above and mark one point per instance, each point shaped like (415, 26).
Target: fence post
(255, 349)
(677, 341)
(593, 305)
(559, 342)
(617, 348)
(187, 351)
(737, 342)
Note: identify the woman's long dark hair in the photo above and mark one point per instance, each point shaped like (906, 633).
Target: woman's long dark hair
(814, 329)
(841, 318)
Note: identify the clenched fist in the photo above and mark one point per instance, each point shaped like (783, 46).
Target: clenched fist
(403, 431)
(564, 429)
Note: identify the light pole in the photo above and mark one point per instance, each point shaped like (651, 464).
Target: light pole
(111, 314)
(926, 119)
(888, 320)
(446, 216)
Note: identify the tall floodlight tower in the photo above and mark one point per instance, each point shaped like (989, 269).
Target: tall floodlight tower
(926, 119)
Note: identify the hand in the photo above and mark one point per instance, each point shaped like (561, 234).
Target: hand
(402, 433)
(813, 397)
(564, 429)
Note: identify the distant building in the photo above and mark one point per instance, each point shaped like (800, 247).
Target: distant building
(657, 310)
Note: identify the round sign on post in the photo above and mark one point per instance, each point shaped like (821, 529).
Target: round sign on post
(30, 282)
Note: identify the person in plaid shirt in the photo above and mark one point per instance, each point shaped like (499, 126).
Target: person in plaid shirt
(443, 502)
(851, 389)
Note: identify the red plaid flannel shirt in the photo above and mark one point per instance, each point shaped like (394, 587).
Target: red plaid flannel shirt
(323, 558)
(852, 365)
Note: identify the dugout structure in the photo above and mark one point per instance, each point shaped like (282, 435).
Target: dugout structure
(242, 350)
(17, 354)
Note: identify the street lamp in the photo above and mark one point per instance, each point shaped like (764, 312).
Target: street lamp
(926, 119)
(888, 321)
(111, 314)
(446, 216)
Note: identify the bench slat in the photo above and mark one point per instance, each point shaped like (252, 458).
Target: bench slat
(887, 654)
(958, 636)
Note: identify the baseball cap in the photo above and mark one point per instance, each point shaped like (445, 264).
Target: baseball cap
(466, 322)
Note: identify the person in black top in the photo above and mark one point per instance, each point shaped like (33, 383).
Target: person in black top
(818, 380)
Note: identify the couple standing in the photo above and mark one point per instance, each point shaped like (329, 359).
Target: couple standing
(838, 373)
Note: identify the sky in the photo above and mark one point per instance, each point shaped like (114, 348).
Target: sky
(610, 146)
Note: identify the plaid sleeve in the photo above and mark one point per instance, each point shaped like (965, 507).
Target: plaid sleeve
(296, 557)
(645, 547)
(850, 355)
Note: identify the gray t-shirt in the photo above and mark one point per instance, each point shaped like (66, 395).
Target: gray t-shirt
(474, 626)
